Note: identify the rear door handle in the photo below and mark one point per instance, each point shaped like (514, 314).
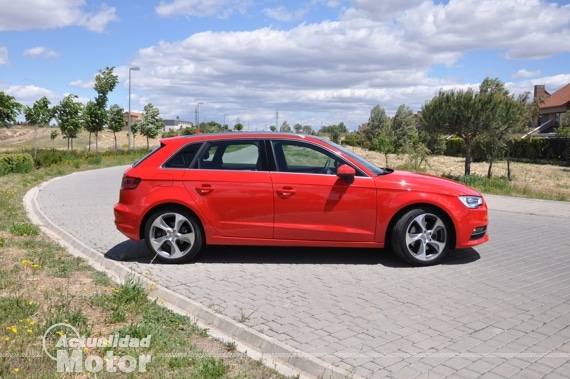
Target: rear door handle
(204, 189)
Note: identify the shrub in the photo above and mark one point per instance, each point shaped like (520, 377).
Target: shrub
(16, 163)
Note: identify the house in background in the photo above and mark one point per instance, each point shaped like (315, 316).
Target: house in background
(135, 116)
(551, 108)
(176, 124)
(169, 124)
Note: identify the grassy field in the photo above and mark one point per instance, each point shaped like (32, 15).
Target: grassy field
(41, 285)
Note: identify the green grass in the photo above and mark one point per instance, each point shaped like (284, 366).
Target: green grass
(501, 186)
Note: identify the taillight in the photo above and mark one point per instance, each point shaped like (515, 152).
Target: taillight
(130, 183)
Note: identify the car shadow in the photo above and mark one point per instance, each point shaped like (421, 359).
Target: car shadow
(131, 251)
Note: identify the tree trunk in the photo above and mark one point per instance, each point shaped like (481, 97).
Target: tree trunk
(490, 169)
(467, 157)
(35, 141)
(508, 162)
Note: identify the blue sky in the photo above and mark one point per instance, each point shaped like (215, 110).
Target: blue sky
(316, 62)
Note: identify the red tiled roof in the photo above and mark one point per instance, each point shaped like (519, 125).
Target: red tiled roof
(558, 98)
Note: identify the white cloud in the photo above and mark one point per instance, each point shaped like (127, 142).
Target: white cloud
(41, 52)
(380, 9)
(27, 95)
(525, 29)
(82, 84)
(526, 74)
(4, 56)
(49, 14)
(279, 14)
(202, 8)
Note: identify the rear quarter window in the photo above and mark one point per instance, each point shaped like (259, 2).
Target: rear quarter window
(184, 157)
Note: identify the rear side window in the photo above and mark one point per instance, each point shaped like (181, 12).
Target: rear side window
(230, 155)
(184, 157)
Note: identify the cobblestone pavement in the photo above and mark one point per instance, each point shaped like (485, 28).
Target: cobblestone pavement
(501, 310)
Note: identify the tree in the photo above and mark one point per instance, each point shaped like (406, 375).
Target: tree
(384, 143)
(92, 116)
(212, 127)
(238, 127)
(404, 128)
(307, 129)
(298, 128)
(68, 115)
(506, 121)
(273, 128)
(53, 136)
(458, 112)
(96, 112)
(377, 121)
(563, 130)
(9, 110)
(335, 132)
(38, 115)
(135, 129)
(285, 127)
(151, 123)
(116, 120)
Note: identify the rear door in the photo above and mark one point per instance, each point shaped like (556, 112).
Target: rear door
(312, 203)
(233, 189)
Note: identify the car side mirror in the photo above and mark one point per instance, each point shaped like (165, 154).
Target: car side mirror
(346, 172)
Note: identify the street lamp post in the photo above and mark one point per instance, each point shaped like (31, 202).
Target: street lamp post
(129, 119)
(198, 115)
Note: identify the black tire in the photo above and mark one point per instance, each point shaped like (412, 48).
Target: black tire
(422, 236)
(173, 234)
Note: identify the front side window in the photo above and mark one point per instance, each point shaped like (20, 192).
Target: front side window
(299, 157)
(230, 155)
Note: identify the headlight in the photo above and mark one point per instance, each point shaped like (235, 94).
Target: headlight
(472, 202)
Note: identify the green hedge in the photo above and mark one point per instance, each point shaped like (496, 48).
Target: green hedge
(527, 149)
(16, 163)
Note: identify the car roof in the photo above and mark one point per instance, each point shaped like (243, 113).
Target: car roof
(240, 135)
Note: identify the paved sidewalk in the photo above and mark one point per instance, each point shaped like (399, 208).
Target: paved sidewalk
(501, 310)
(535, 207)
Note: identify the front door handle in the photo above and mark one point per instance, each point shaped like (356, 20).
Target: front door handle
(286, 192)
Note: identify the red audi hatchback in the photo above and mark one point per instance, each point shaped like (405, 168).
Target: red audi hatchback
(283, 189)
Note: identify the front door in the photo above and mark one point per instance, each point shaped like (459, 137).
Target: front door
(312, 203)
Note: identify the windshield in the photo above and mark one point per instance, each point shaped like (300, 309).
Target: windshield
(369, 165)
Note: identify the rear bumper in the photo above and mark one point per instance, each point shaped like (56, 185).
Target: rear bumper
(127, 222)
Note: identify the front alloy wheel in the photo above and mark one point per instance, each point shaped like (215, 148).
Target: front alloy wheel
(421, 237)
(173, 234)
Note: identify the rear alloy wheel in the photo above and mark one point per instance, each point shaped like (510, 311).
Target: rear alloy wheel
(421, 237)
(173, 234)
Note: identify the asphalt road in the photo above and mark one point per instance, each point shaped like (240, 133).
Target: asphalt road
(501, 310)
